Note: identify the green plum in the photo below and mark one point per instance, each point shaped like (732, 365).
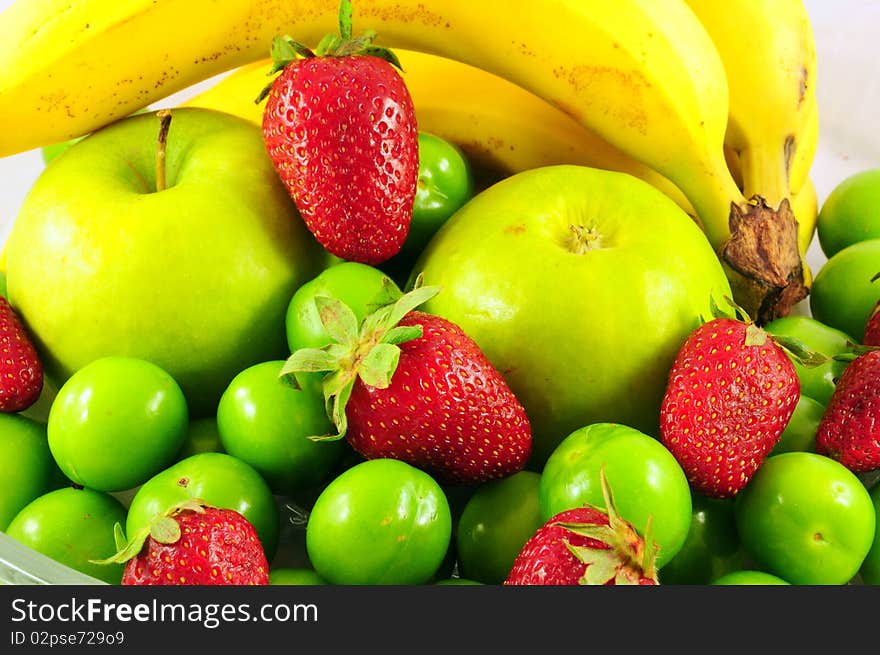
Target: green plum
(457, 581)
(116, 422)
(850, 213)
(73, 526)
(870, 570)
(27, 469)
(843, 294)
(800, 433)
(806, 518)
(267, 423)
(749, 577)
(712, 547)
(295, 577)
(39, 411)
(646, 481)
(380, 522)
(817, 382)
(445, 184)
(495, 524)
(202, 436)
(363, 288)
(218, 479)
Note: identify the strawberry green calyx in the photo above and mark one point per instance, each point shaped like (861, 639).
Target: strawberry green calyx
(757, 336)
(369, 351)
(735, 312)
(853, 351)
(164, 529)
(627, 561)
(285, 50)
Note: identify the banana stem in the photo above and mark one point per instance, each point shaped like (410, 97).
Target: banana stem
(757, 245)
(712, 192)
(764, 174)
(164, 116)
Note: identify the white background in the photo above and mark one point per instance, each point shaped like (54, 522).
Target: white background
(847, 36)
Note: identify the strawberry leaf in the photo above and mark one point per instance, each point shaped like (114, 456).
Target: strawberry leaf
(284, 51)
(338, 319)
(165, 530)
(379, 365)
(308, 360)
(329, 46)
(800, 351)
(734, 311)
(649, 561)
(119, 536)
(402, 333)
(383, 53)
(337, 413)
(387, 294)
(409, 301)
(608, 497)
(601, 533)
(853, 351)
(336, 388)
(356, 46)
(345, 19)
(127, 550)
(601, 566)
(755, 336)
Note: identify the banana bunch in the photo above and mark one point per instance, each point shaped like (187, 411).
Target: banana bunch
(652, 79)
(769, 56)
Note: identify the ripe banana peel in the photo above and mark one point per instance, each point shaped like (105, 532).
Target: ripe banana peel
(805, 153)
(471, 108)
(644, 75)
(769, 56)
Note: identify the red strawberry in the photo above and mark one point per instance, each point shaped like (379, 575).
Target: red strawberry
(731, 392)
(412, 386)
(21, 374)
(341, 130)
(849, 430)
(194, 544)
(587, 546)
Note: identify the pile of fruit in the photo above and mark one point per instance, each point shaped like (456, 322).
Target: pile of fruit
(519, 311)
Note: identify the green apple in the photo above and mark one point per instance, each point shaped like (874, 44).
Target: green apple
(52, 151)
(579, 285)
(195, 277)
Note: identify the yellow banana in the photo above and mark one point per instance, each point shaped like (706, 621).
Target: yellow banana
(769, 56)
(805, 205)
(471, 108)
(642, 74)
(802, 161)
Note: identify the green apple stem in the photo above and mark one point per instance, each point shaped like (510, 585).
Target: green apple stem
(164, 116)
